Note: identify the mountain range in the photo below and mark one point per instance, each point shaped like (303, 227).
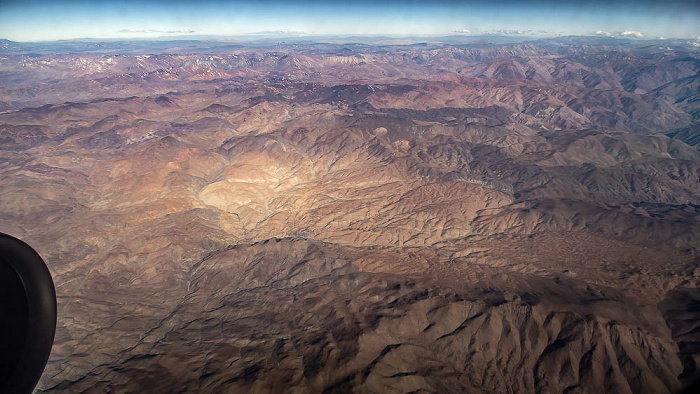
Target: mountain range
(304, 217)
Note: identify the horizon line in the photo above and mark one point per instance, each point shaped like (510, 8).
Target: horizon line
(258, 36)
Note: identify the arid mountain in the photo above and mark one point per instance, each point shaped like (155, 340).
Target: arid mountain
(309, 217)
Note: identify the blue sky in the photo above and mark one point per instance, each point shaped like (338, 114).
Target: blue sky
(41, 20)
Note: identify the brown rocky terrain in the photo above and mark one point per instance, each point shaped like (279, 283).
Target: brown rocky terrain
(306, 218)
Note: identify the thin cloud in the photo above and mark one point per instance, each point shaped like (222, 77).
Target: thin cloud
(153, 31)
(632, 33)
(462, 31)
(621, 34)
(515, 32)
(277, 33)
(138, 31)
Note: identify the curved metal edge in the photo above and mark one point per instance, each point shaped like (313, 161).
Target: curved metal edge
(42, 312)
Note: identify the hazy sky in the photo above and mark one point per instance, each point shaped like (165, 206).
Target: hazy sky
(41, 20)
